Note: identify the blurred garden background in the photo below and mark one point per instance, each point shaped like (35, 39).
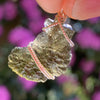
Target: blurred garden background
(20, 22)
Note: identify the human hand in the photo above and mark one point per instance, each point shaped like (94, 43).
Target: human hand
(76, 9)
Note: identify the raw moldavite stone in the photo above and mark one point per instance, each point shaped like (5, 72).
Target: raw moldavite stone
(52, 50)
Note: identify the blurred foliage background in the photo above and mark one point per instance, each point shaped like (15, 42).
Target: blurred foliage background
(20, 22)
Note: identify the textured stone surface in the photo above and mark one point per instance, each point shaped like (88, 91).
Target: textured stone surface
(51, 48)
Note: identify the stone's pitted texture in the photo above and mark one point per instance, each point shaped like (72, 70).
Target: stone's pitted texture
(21, 62)
(52, 50)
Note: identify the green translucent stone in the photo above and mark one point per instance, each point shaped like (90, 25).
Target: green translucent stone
(51, 48)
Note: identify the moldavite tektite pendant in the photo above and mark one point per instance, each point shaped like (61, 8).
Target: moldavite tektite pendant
(47, 56)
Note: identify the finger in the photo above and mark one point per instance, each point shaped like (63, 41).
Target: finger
(76, 9)
(82, 9)
(51, 6)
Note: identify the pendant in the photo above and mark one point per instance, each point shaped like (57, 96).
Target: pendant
(46, 57)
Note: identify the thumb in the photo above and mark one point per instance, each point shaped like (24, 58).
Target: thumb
(76, 9)
(82, 9)
(51, 6)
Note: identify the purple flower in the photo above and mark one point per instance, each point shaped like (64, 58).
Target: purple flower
(33, 14)
(62, 79)
(21, 36)
(10, 10)
(73, 59)
(27, 85)
(1, 30)
(30, 8)
(94, 20)
(36, 26)
(4, 93)
(96, 95)
(66, 78)
(86, 38)
(87, 66)
(1, 12)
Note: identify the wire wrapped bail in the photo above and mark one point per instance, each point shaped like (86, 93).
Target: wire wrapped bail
(61, 18)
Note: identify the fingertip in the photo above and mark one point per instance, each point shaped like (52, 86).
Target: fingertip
(67, 6)
(76, 9)
(50, 6)
(85, 9)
